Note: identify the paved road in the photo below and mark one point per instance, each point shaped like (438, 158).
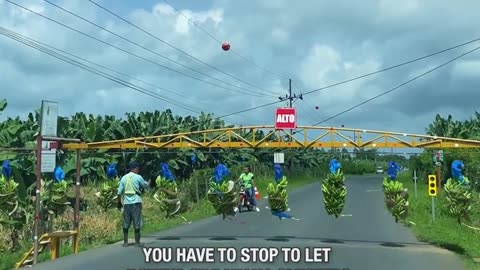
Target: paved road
(366, 238)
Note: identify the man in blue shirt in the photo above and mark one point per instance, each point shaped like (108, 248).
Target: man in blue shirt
(132, 186)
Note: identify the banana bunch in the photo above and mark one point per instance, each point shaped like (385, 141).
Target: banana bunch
(334, 193)
(223, 197)
(396, 198)
(108, 194)
(167, 196)
(8, 195)
(56, 197)
(277, 195)
(459, 199)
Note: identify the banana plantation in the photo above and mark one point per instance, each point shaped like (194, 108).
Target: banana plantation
(467, 129)
(19, 134)
(192, 169)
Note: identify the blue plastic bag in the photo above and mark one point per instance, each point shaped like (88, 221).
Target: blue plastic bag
(166, 173)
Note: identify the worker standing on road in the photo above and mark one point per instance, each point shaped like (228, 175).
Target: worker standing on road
(247, 180)
(131, 188)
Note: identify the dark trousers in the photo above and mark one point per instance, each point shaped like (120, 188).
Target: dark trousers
(251, 195)
(132, 213)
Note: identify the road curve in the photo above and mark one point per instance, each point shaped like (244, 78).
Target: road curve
(365, 238)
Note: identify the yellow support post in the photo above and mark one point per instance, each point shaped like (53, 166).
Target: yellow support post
(53, 239)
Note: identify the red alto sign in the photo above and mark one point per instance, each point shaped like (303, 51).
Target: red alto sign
(285, 118)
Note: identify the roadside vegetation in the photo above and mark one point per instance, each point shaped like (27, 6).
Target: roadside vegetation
(457, 220)
(100, 221)
(457, 217)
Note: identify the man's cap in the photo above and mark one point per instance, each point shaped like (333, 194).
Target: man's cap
(133, 165)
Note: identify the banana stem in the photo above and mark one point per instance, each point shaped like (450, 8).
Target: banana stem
(169, 192)
(14, 209)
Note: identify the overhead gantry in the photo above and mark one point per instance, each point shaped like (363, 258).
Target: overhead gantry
(269, 137)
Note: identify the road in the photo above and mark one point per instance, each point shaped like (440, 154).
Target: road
(366, 238)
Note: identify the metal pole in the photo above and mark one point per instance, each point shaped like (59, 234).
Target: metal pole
(415, 182)
(76, 214)
(290, 101)
(439, 177)
(290, 93)
(37, 198)
(433, 209)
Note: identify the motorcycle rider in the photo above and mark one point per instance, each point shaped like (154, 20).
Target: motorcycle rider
(246, 179)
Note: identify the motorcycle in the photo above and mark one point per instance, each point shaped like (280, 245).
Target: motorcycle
(244, 200)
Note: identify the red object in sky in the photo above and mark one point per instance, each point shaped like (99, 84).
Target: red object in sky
(285, 118)
(225, 46)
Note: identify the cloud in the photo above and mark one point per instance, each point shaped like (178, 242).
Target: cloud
(314, 43)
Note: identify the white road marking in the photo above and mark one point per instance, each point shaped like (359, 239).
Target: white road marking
(373, 190)
(346, 215)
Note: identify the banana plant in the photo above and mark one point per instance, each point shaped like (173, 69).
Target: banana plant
(396, 199)
(54, 196)
(167, 192)
(107, 195)
(12, 213)
(8, 190)
(459, 199)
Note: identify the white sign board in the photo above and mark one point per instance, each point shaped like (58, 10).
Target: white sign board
(278, 158)
(49, 119)
(49, 158)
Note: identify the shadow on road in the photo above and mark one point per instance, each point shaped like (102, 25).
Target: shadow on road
(288, 238)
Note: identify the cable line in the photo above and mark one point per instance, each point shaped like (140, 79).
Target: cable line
(173, 47)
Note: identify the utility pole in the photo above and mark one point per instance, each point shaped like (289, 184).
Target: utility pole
(291, 99)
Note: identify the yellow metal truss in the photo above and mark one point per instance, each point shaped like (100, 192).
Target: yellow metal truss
(248, 137)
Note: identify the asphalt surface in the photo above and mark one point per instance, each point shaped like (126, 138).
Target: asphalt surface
(365, 238)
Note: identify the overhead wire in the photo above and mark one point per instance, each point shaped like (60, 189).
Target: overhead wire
(111, 70)
(390, 90)
(314, 113)
(19, 38)
(143, 47)
(117, 72)
(399, 86)
(174, 47)
(127, 52)
(394, 66)
(332, 85)
(307, 114)
(395, 88)
(30, 43)
(368, 74)
(310, 117)
(220, 42)
(316, 90)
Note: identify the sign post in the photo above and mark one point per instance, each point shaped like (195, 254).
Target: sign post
(285, 118)
(278, 158)
(45, 160)
(415, 180)
(438, 161)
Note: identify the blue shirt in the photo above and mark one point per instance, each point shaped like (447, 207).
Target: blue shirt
(130, 186)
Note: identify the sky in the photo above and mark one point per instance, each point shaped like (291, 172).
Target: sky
(313, 43)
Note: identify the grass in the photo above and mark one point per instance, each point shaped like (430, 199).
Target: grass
(445, 232)
(98, 228)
